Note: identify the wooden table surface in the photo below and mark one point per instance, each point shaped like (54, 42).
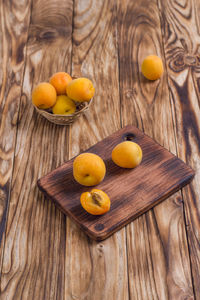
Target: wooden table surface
(43, 254)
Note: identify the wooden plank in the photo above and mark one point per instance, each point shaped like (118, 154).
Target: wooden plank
(132, 191)
(180, 28)
(95, 270)
(13, 37)
(158, 260)
(34, 257)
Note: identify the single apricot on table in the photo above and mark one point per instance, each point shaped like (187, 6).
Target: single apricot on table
(152, 67)
(88, 169)
(80, 89)
(64, 106)
(44, 95)
(95, 202)
(60, 80)
(127, 154)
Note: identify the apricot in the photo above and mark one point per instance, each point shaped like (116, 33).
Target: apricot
(60, 81)
(44, 95)
(95, 202)
(89, 169)
(80, 89)
(64, 106)
(152, 67)
(127, 154)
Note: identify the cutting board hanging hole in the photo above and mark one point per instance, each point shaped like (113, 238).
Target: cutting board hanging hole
(128, 136)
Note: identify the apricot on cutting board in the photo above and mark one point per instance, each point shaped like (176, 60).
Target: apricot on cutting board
(89, 169)
(80, 89)
(60, 80)
(64, 106)
(127, 154)
(95, 202)
(44, 95)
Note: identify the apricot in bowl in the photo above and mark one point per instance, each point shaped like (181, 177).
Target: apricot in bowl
(60, 80)
(51, 100)
(44, 95)
(80, 89)
(64, 106)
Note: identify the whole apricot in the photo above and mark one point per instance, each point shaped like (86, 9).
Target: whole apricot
(64, 106)
(127, 154)
(60, 80)
(95, 202)
(44, 95)
(80, 89)
(152, 67)
(89, 169)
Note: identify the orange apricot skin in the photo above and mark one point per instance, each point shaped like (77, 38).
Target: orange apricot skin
(44, 95)
(127, 154)
(152, 67)
(88, 169)
(60, 80)
(80, 89)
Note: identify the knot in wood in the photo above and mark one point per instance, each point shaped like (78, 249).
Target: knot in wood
(177, 64)
(182, 61)
(130, 93)
(3, 197)
(49, 35)
(99, 227)
(190, 60)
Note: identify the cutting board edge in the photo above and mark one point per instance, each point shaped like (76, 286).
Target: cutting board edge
(100, 237)
(105, 235)
(86, 150)
(125, 128)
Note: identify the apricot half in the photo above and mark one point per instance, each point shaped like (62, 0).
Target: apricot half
(80, 89)
(127, 154)
(44, 95)
(60, 80)
(89, 169)
(95, 202)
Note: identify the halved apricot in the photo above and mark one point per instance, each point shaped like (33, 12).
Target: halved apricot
(95, 202)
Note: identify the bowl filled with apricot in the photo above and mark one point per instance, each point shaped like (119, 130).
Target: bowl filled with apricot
(64, 98)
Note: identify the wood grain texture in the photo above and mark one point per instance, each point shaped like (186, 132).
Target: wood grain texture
(46, 257)
(14, 24)
(158, 259)
(95, 270)
(132, 192)
(34, 257)
(180, 27)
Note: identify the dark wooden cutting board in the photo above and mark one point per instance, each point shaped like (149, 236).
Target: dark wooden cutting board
(132, 191)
